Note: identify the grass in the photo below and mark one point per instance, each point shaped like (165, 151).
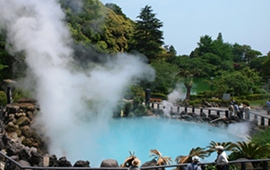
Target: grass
(258, 103)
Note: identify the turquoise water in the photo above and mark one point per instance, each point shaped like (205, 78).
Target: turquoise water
(171, 137)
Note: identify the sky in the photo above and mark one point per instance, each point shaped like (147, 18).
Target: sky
(246, 22)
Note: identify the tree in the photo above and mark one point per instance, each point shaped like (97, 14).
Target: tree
(161, 160)
(237, 82)
(148, 39)
(227, 146)
(188, 79)
(205, 45)
(165, 77)
(266, 68)
(244, 53)
(200, 152)
(248, 150)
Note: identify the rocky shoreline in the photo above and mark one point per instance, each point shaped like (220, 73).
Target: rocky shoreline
(21, 142)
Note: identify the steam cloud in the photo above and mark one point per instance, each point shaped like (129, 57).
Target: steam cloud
(37, 28)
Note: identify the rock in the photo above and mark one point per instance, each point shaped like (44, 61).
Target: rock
(21, 114)
(81, 163)
(23, 121)
(153, 162)
(24, 154)
(109, 163)
(12, 129)
(53, 161)
(12, 108)
(187, 117)
(26, 131)
(27, 106)
(36, 158)
(24, 163)
(203, 115)
(63, 162)
(213, 117)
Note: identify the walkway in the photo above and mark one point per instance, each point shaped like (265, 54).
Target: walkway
(256, 114)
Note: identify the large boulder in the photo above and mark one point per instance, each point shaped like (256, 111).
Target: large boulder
(81, 163)
(153, 162)
(63, 162)
(109, 163)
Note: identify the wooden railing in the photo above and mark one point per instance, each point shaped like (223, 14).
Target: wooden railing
(262, 120)
(6, 163)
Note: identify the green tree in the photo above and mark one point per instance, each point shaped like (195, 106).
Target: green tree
(244, 53)
(205, 45)
(188, 79)
(148, 38)
(165, 79)
(265, 68)
(237, 82)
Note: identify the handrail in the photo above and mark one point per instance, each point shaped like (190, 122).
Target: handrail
(242, 162)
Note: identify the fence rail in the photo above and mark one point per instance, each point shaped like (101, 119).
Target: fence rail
(7, 163)
(259, 119)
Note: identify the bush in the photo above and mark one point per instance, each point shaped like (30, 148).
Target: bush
(159, 95)
(3, 98)
(18, 93)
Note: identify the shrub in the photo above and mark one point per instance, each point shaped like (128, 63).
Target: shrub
(3, 98)
(159, 95)
(18, 93)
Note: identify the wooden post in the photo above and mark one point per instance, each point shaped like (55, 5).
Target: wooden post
(262, 121)
(218, 113)
(227, 113)
(193, 109)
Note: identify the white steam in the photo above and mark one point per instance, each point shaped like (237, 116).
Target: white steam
(37, 28)
(176, 95)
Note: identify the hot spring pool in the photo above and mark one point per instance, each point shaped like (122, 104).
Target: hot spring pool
(171, 137)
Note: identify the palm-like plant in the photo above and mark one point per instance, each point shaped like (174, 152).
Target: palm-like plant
(129, 159)
(161, 160)
(200, 152)
(228, 146)
(188, 76)
(249, 150)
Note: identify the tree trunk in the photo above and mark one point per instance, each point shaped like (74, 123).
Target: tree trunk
(188, 92)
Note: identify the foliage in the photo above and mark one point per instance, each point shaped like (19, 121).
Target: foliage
(261, 137)
(265, 68)
(161, 160)
(188, 79)
(227, 146)
(237, 82)
(19, 93)
(165, 79)
(249, 150)
(198, 151)
(148, 38)
(159, 95)
(3, 98)
(105, 27)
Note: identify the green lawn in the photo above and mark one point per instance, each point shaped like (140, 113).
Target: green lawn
(257, 103)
